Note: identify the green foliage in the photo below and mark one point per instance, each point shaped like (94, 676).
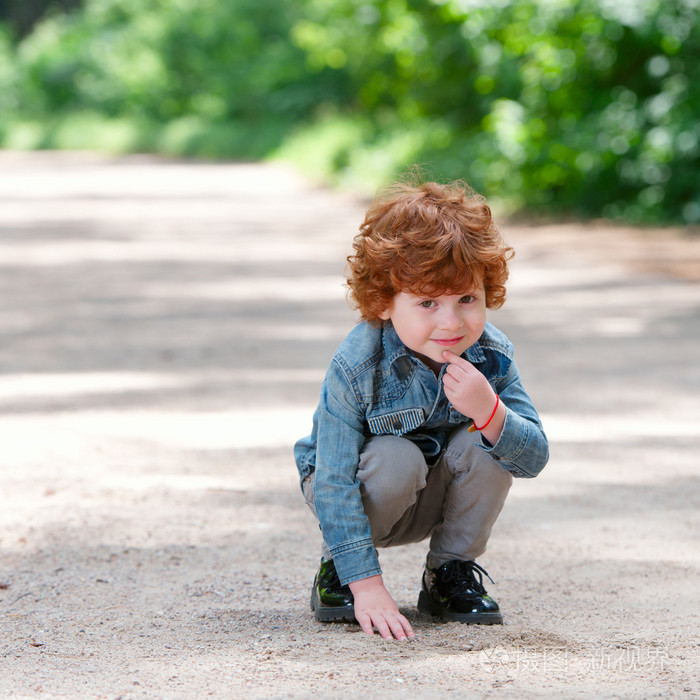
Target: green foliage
(210, 69)
(585, 106)
(575, 106)
(225, 61)
(8, 98)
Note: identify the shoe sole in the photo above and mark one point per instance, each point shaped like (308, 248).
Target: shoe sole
(428, 606)
(325, 614)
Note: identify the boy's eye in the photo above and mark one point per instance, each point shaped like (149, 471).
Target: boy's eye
(466, 299)
(427, 304)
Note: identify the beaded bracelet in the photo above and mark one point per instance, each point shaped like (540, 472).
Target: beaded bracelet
(473, 427)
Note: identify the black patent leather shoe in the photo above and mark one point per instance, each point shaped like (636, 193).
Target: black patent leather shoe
(329, 600)
(455, 591)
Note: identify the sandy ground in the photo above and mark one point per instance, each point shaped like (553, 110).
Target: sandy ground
(165, 328)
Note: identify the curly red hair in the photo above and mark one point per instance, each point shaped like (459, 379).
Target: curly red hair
(427, 239)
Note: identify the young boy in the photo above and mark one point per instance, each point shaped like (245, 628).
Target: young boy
(423, 420)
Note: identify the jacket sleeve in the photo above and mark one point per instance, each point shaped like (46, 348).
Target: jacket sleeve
(337, 499)
(522, 449)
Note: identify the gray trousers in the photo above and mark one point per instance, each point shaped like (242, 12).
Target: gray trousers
(455, 503)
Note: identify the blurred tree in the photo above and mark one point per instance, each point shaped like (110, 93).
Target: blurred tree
(589, 106)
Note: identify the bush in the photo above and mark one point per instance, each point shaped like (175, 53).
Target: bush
(587, 106)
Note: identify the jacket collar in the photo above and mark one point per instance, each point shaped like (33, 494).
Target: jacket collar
(393, 347)
(475, 354)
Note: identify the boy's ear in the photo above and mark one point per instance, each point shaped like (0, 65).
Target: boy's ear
(385, 315)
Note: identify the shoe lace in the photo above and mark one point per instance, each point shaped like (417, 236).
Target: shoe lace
(463, 574)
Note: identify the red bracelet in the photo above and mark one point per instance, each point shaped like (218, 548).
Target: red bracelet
(474, 426)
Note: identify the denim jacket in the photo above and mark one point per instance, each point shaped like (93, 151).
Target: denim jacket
(376, 386)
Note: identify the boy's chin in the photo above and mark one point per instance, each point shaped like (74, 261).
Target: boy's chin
(435, 360)
(437, 355)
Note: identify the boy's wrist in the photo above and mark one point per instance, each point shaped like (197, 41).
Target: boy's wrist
(366, 584)
(492, 431)
(484, 402)
(487, 410)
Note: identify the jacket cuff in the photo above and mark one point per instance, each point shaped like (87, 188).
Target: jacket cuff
(517, 448)
(356, 562)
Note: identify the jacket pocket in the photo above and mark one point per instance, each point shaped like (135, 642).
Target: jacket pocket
(396, 423)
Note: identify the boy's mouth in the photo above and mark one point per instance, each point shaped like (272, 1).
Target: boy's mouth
(447, 342)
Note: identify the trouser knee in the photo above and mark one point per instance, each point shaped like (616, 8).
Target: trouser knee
(392, 471)
(391, 468)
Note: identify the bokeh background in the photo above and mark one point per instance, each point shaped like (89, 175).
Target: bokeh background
(586, 108)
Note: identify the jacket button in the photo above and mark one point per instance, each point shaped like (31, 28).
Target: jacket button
(398, 425)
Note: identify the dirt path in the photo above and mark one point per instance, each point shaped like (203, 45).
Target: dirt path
(165, 328)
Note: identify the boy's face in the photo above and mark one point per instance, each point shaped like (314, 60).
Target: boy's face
(431, 325)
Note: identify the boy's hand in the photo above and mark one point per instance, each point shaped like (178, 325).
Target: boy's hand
(470, 393)
(375, 608)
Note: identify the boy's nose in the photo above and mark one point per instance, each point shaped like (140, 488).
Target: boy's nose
(449, 320)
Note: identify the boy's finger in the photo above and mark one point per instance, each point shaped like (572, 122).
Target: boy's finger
(397, 629)
(402, 628)
(383, 628)
(365, 622)
(450, 357)
(455, 372)
(456, 361)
